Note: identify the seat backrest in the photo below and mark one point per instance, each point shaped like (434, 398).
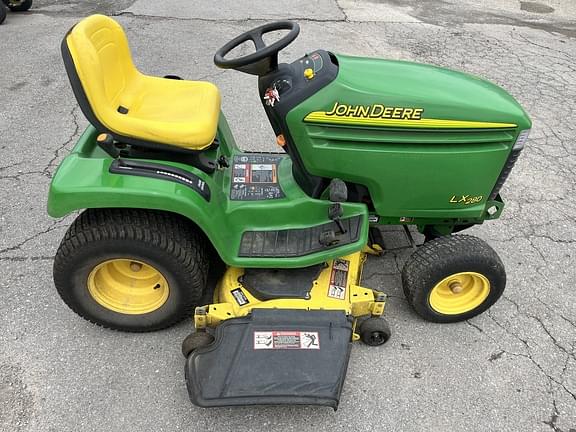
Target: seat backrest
(99, 65)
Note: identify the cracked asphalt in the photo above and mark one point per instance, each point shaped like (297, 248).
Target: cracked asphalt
(510, 369)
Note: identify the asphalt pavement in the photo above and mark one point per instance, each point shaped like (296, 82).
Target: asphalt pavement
(510, 369)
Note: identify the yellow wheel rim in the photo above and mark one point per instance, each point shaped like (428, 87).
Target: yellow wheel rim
(459, 293)
(128, 286)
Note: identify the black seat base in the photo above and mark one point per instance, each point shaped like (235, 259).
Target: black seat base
(196, 159)
(118, 149)
(273, 357)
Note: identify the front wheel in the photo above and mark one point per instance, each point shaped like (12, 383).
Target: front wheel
(131, 270)
(19, 5)
(453, 278)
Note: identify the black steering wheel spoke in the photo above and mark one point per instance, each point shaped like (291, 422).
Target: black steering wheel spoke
(265, 58)
(258, 40)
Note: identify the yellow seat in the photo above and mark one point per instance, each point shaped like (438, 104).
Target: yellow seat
(129, 104)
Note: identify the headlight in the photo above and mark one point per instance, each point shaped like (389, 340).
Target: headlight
(521, 140)
(516, 149)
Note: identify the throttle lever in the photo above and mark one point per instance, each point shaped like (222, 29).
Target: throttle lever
(338, 192)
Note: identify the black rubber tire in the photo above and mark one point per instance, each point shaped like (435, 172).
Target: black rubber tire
(3, 12)
(194, 341)
(23, 6)
(441, 257)
(166, 241)
(375, 331)
(430, 234)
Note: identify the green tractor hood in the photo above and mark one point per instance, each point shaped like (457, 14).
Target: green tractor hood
(441, 94)
(427, 143)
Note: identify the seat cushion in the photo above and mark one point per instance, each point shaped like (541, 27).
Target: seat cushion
(177, 112)
(130, 104)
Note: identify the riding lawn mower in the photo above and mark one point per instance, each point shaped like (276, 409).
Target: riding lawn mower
(166, 197)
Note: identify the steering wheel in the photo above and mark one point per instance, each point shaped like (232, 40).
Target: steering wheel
(265, 59)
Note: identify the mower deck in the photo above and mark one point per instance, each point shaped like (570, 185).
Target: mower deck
(271, 347)
(335, 287)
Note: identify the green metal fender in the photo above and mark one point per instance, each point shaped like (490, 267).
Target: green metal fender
(83, 181)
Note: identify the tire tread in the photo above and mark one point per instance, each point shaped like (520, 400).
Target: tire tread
(169, 232)
(419, 271)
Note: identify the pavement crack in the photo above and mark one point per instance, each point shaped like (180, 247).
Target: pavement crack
(26, 258)
(342, 11)
(554, 418)
(20, 174)
(528, 356)
(396, 263)
(555, 311)
(471, 324)
(10, 166)
(71, 138)
(542, 326)
(565, 56)
(496, 356)
(211, 75)
(227, 20)
(565, 367)
(55, 225)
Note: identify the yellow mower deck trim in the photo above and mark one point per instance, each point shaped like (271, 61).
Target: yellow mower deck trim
(358, 301)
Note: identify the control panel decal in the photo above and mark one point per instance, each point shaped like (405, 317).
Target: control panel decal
(255, 177)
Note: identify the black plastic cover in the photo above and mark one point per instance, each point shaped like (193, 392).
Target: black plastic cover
(295, 88)
(273, 357)
(298, 242)
(267, 284)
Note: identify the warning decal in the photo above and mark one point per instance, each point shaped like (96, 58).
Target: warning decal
(255, 177)
(240, 297)
(339, 279)
(286, 340)
(255, 173)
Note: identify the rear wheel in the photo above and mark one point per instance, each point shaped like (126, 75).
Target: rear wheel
(453, 278)
(19, 5)
(132, 270)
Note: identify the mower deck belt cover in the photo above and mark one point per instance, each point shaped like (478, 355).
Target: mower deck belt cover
(273, 357)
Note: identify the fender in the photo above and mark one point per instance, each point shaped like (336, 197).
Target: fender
(89, 178)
